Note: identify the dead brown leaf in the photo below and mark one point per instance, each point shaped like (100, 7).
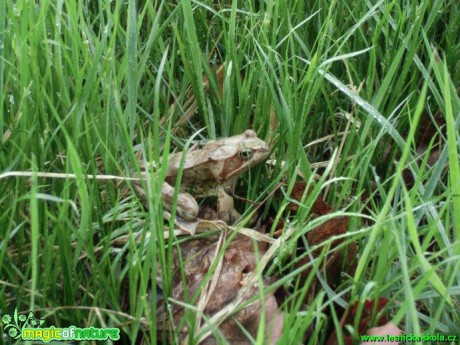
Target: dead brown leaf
(339, 259)
(238, 261)
(369, 315)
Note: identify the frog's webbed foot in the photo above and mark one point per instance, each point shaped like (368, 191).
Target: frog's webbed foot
(182, 225)
(225, 207)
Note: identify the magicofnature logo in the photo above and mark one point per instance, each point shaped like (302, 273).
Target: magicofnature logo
(28, 327)
(13, 324)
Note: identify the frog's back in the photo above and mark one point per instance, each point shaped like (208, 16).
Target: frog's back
(194, 160)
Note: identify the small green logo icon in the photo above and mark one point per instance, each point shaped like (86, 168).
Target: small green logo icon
(13, 324)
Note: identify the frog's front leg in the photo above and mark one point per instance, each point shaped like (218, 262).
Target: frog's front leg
(186, 206)
(225, 207)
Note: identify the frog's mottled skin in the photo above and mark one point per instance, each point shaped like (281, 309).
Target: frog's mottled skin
(210, 171)
(218, 164)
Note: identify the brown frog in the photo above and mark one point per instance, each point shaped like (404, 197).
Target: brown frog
(212, 170)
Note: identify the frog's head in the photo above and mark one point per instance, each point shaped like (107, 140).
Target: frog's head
(238, 153)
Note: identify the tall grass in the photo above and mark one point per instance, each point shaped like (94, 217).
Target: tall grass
(83, 84)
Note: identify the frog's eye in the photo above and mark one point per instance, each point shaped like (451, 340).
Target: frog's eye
(246, 154)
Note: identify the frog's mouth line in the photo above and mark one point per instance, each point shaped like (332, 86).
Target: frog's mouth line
(236, 165)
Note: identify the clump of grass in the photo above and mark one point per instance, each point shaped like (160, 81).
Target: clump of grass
(83, 84)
